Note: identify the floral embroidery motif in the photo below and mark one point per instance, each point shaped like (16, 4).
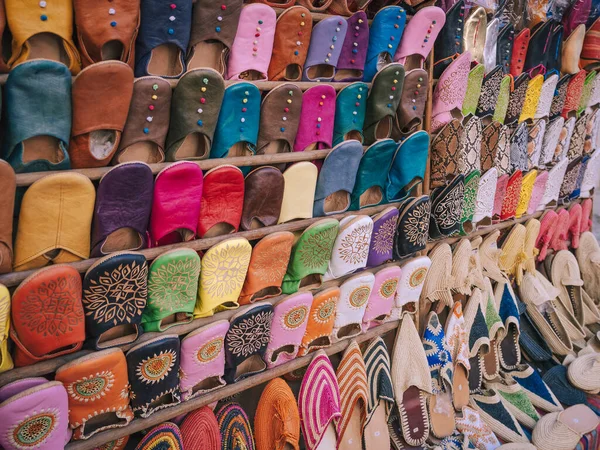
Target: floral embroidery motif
(502, 102)
(359, 296)
(489, 93)
(91, 388)
(156, 368)
(224, 269)
(448, 90)
(485, 195)
(388, 288)
(315, 250)
(354, 247)
(248, 336)
(416, 224)
(325, 310)
(117, 296)
(469, 105)
(209, 351)
(511, 198)
(52, 309)
(174, 284)
(35, 429)
(294, 318)
(383, 238)
(449, 209)
(417, 277)
(270, 266)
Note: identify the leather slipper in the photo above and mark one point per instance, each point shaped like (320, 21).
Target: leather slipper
(450, 91)
(264, 182)
(382, 297)
(325, 48)
(6, 361)
(350, 66)
(351, 247)
(408, 167)
(457, 340)
(8, 184)
(350, 126)
(484, 204)
(474, 83)
(450, 43)
(315, 130)
(300, 183)
(385, 35)
(320, 321)
(412, 232)
(446, 208)
(445, 153)
(354, 295)
(382, 238)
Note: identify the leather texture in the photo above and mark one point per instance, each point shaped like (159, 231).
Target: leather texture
(203, 360)
(571, 50)
(532, 98)
(293, 31)
(535, 142)
(337, 179)
(450, 40)
(115, 290)
(474, 34)
(268, 264)
(505, 47)
(326, 44)
(222, 201)
(351, 247)
(546, 96)
(101, 98)
(446, 208)
(263, 196)
(350, 66)
(540, 42)
(520, 46)
(413, 226)
(410, 112)
(446, 152)
(574, 91)
(195, 107)
(176, 203)
(383, 295)
(6, 363)
(97, 385)
(320, 321)
(469, 158)
(237, 125)
(315, 6)
(37, 90)
(241, 346)
(290, 317)
(518, 148)
(310, 254)
(253, 43)
(449, 93)
(590, 53)
(94, 34)
(354, 296)
(500, 193)
(382, 238)
(124, 200)
(559, 96)
(149, 94)
(153, 369)
(350, 126)
(551, 139)
(47, 315)
(484, 204)
(423, 28)
(172, 289)
(300, 181)
(315, 131)
(388, 23)
(56, 215)
(279, 119)
(224, 269)
(469, 200)
(8, 185)
(408, 167)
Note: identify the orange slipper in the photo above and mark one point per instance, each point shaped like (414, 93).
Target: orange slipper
(277, 420)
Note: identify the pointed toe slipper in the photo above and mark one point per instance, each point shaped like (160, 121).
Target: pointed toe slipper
(450, 91)
(413, 226)
(350, 126)
(200, 427)
(277, 402)
(457, 341)
(234, 427)
(491, 409)
(320, 321)
(351, 247)
(381, 301)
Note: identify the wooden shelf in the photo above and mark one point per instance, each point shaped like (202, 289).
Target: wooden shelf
(169, 413)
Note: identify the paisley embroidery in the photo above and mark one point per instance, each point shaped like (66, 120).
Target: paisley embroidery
(209, 351)
(388, 288)
(294, 318)
(249, 335)
(444, 152)
(35, 429)
(359, 296)
(417, 277)
(156, 368)
(91, 388)
(172, 285)
(383, 238)
(325, 310)
(354, 247)
(489, 92)
(316, 249)
(224, 269)
(415, 224)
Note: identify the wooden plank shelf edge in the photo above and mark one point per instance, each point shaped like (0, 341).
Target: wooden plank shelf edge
(227, 391)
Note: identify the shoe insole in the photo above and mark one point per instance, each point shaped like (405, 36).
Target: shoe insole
(103, 143)
(122, 239)
(508, 347)
(329, 440)
(348, 331)
(42, 148)
(490, 361)
(460, 387)
(251, 365)
(352, 438)
(293, 72)
(320, 71)
(119, 335)
(372, 196)
(383, 129)
(111, 50)
(574, 330)
(414, 411)
(336, 202)
(253, 75)
(579, 418)
(353, 135)
(239, 149)
(275, 147)
(165, 61)
(145, 151)
(377, 435)
(210, 54)
(413, 62)
(174, 319)
(194, 146)
(47, 46)
(441, 415)
(475, 376)
(108, 419)
(344, 74)
(219, 229)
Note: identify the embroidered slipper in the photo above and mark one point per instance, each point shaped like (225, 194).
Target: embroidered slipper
(200, 427)
(300, 184)
(37, 144)
(385, 36)
(234, 425)
(410, 287)
(224, 269)
(546, 96)
(381, 394)
(539, 187)
(114, 319)
(552, 136)
(490, 90)
(516, 99)
(382, 238)
(450, 43)
(310, 256)
(476, 430)
(478, 339)
(203, 360)
(495, 413)
(50, 39)
(48, 427)
(555, 179)
(337, 179)
(484, 203)
(413, 226)
(372, 174)
(439, 282)
(143, 138)
(583, 373)
(469, 199)
(325, 48)
(536, 389)
(445, 153)
(511, 196)
(574, 92)
(565, 429)
(161, 46)
(437, 350)
(381, 300)
(319, 404)
(290, 317)
(263, 182)
(98, 389)
(588, 259)
(449, 93)
(153, 368)
(518, 148)
(352, 381)
(244, 353)
(457, 341)
(350, 66)
(497, 333)
(50, 208)
(354, 295)
(108, 86)
(446, 208)
(515, 401)
(350, 126)
(277, 402)
(320, 321)
(474, 34)
(8, 184)
(469, 106)
(411, 380)
(315, 130)
(501, 108)
(254, 37)
(590, 176)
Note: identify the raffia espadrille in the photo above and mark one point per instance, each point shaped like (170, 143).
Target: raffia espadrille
(489, 254)
(548, 225)
(516, 401)
(478, 338)
(588, 258)
(277, 421)
(496, 333)
(476, 429)
(166, 436)
(475, 265)
(461, 255)
(584, 373)
(439, 277)
(200, 429)
(458, 341)
(509, 350)
(513, 253)
(563, 430)
(536, 389)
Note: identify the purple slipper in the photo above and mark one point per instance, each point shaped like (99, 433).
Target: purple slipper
(315, 130)
(325, 48)
(351, 64)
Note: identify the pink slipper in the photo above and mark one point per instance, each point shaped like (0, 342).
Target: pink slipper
(539, 187)
(548, 224)
(574, 229)
(450, 91)
(499, 198)
(559, 238)
(586, 213)
(382, 297)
